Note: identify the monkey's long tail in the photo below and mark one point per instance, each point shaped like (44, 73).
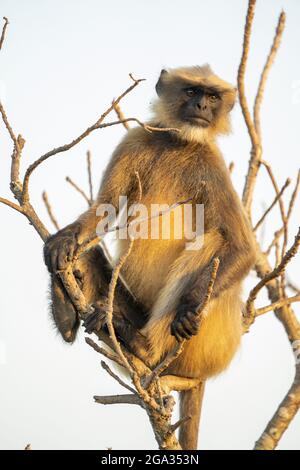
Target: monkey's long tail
(190, 405)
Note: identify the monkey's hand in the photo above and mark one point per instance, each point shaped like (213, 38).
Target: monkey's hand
(186, 322)
(60, 248)
(96, 321)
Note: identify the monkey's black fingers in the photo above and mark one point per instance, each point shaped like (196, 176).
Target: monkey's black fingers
(191, 323)
(185, 325)
(175, 334)
(94, 322)
(97, 320)
(59, 248)
(178, 330)
(183, 330)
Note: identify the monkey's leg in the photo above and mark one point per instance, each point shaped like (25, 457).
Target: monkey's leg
(190, 405)
(93, 273)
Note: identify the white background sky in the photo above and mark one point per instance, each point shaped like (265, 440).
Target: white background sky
(61, 65)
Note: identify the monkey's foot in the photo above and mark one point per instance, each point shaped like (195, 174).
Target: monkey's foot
(185, 325)
(96, 321)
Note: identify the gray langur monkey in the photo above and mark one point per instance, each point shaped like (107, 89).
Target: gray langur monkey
(166, 282)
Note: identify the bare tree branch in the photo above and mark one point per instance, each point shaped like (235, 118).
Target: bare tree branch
(79, 190)
(263, 269)
(282, 417)
(117, 378)
(12, 205)
(276, 305)
(279, 232)
(49, 210)
(63, 148)
(6, 23)
(277, 198)
(266, 71)
(89, 170)
(118, 399)
(120, 115)
(110, 355)
(250, 311)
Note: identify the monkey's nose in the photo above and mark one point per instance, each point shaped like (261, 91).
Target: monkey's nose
(202, 107)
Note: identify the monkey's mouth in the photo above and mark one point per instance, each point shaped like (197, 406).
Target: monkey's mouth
(200, 121)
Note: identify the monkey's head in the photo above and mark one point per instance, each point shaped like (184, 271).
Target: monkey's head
(194, 100)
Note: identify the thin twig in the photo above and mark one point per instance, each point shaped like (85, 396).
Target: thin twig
(109, 311)
(89, 170)
(120, 115)
(280, 200)
(279, 232)
(278, 270)
(214, 271)
(293, 286)
(108, 354)
(63, 148)
(293, 197)
(117, 378)
(165, 364)
(179, 423)
(256, 150)
(6, 23)
(19, 142)
(266, 71)
(282, 417)
(278, 304)
(277, 198)
(242, 70)
(118, 399)
(11, 204)
(250, 310)
(49, 210)
(78, 189)
(285, 227)
(8, 126)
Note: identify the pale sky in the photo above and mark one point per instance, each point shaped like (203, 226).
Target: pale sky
(61, 65)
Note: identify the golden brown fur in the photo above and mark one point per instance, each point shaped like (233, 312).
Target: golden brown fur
(161, 274)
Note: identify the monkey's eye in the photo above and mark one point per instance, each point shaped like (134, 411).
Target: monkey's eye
(190, 92)
(213, 97)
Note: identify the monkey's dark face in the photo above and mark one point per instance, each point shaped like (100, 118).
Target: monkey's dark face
(195, 101)
(200, 106)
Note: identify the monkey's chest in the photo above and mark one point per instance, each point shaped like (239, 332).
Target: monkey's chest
(159, 229)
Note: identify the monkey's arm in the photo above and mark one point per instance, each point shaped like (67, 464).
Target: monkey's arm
(92, 271)
(118, 180)
(236, 253)
(60, 247)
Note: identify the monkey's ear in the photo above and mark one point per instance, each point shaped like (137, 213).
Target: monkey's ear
(160, 85)
(233, 99)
